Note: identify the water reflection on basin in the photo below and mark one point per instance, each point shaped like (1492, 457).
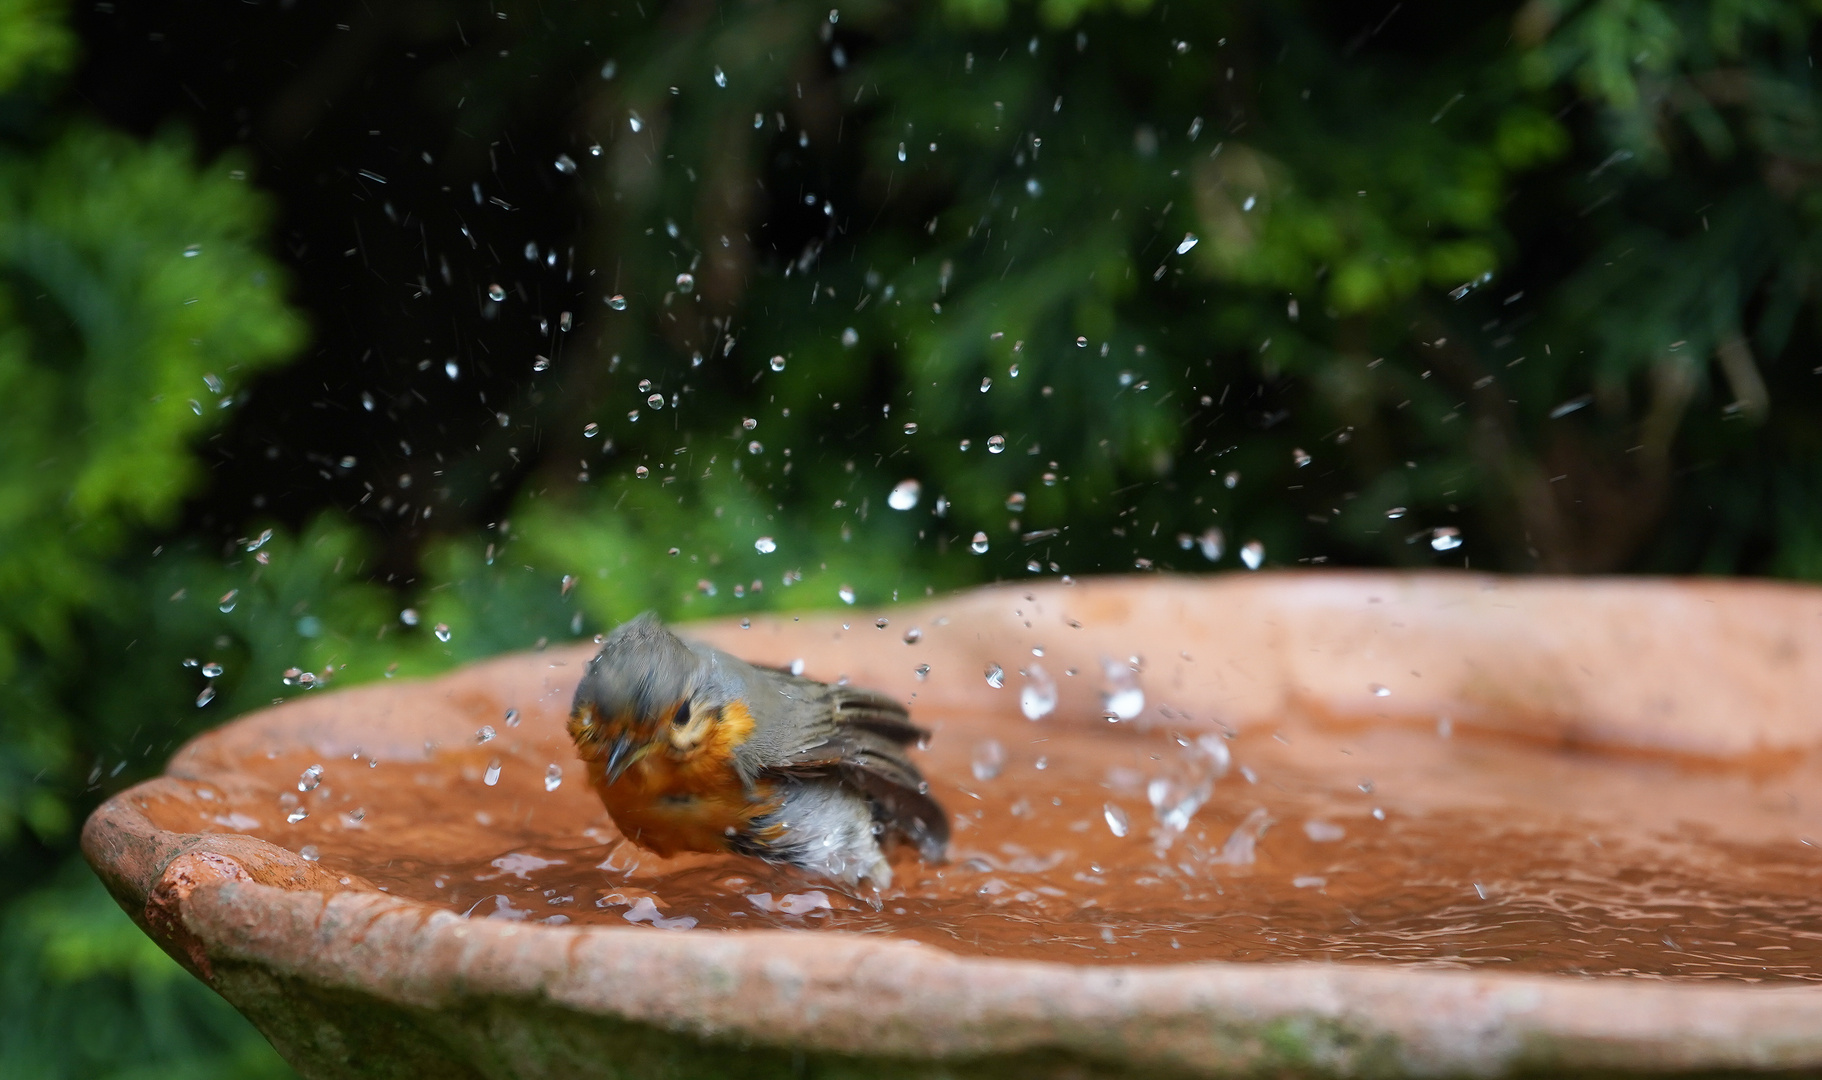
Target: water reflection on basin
(1427, 845)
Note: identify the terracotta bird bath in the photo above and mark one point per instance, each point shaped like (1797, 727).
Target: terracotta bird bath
(1338, 824)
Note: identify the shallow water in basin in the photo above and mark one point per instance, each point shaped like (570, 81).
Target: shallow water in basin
(1388, 844)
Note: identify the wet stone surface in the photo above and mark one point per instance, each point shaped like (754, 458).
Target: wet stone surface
(1404, 844)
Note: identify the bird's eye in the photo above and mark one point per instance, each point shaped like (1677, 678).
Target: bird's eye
(683, 715)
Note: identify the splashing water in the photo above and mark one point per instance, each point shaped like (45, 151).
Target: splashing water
(1121, 698)
(1038, 697)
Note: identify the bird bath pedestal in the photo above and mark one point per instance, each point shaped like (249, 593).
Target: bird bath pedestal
(1423, 824)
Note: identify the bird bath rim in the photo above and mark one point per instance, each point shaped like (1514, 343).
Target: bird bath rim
(313, 956)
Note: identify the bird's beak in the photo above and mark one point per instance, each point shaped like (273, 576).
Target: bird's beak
(620, 756)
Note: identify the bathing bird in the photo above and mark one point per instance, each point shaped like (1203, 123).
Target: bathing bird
(693, 749)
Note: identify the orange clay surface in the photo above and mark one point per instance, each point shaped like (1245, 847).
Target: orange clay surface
(1410, 842)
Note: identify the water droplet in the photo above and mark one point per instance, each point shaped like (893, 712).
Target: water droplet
(1251, 201)
(1213, 543)
(1378, 690)
(553, 777)
(310, 778)
(1015, 502)
(492, 776)
(1121, 698)
(451, 369)
(442, 631)
(989, 759)
(409, 616)
(1081, 343)
(996, 444)
(904, 495)
(749, 423)
(297, 815)
(1447, 538)
(656, 401)
(686, 283)
(211, 670)
(765, 545)
(589, 431)
(850, 337)
(777, 363)
(1038, 697)
(986, 384)
(309, 853)
(911, 427)
(996, 676)
(226, 603)
(1189, 240)
(979, 544)
(566, 164)
(496, 293)
(1252, 553)
(721, 77)
(1300, 457)
(617, 302)
(196, 249)
(797, 666)
(913, 636)
(642, 472)
(882, 622)
(922, 672)
(1231, 481)
(512, 718)
(1396, 512)
(1117, 822)
(645, 386)
(633, 121)
(901, 151)
(755, 447)
(486, 734)
(207, 695)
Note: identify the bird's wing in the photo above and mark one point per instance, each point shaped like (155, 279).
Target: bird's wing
(859, 736)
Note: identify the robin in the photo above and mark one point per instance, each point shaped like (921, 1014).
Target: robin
(693, 749)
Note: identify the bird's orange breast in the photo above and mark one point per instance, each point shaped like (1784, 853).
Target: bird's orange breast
(673, 800)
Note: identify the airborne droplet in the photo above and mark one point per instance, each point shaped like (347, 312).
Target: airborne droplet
(989, 759)
(226, 603)
(442, 631)
(765, 545)
(617, 302)
(996, 676)
(496, 293)
(1252, 553)
(777, 363)
(979, 544)
(492, 775)
(846, 592)
(1038, 697)
(904, 495)
(1117, 822)
(553, 777)
(996, 444)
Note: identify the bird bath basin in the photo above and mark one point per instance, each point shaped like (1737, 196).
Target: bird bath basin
(1468, 825)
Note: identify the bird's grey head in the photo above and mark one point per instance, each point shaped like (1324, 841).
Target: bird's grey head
(644, 681)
